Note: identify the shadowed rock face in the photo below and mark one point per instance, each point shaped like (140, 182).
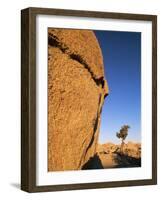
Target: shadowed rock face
(76, 92)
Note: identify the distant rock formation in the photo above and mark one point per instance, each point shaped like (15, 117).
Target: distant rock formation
(76, 92)
(130, 149)
(111, 157)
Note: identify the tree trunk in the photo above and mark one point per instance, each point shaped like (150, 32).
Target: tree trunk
(122, 145)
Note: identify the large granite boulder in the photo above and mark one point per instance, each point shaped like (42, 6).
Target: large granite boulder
(76, 92)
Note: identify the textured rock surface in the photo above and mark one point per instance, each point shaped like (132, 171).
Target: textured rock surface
(76, 92)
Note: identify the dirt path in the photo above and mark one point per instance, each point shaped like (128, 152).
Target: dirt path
(108, 160)
(114, 160)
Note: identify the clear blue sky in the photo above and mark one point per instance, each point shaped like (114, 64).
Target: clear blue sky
(122, 62)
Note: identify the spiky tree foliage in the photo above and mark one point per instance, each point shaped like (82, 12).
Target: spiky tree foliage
(122, 134)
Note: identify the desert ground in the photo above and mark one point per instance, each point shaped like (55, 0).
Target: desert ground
(109, 156)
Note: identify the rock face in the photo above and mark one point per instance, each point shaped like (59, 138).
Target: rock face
(76, 92)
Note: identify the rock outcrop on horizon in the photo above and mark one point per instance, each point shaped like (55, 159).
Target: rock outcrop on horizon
(76, 92)
(111, 157)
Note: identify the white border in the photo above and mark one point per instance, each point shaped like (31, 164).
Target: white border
(43, 177)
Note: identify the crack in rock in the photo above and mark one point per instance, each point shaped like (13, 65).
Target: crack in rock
(54, 41)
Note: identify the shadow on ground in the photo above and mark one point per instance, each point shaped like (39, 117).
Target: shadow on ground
(113, 160)
(123, 160)
(93, 163)
(15, 185)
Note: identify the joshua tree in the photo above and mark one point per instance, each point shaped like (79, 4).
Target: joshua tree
(122, 135)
